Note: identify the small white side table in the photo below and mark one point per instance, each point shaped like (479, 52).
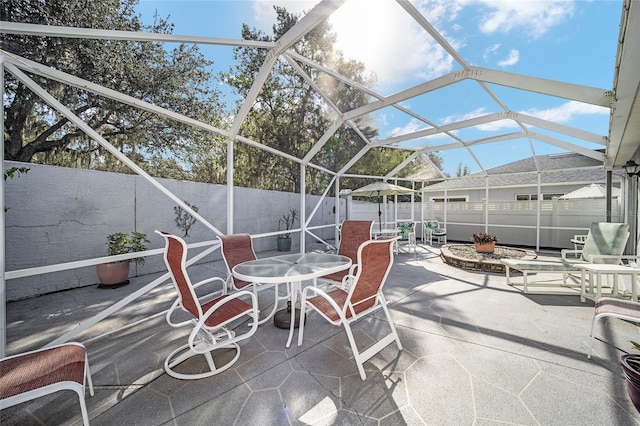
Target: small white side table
(615, 270)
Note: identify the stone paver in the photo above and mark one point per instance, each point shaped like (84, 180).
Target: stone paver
(476, 352)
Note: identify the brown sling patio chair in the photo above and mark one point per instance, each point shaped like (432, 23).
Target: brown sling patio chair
(210, 318)
(343, 306)
(352, 234)
(238, 248)
(627, 310)
(30, 375)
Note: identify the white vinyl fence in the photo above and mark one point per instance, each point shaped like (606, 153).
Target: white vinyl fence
(514, 222)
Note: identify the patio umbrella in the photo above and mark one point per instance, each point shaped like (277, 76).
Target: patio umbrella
(594, 190)
(378, 189)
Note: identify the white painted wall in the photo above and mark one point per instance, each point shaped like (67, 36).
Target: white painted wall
(59, 215)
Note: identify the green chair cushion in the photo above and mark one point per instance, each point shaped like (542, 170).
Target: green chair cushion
(405, 229)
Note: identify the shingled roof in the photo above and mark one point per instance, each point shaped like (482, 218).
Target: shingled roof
(554, 168)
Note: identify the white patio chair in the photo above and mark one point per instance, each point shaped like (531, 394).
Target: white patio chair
(238, 248)
(210, 319)
(431, 229)
(352, 234)
(359, 296)
(627, 310)
(30, 375)
(408, 233)
(578, 241)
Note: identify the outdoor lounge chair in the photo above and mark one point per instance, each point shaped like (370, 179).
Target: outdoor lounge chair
(238, 248)
(605, 243)
(343, 306)
(209, 318)
(627, 310)
(30, 375)
(352, 234)
(431, 229)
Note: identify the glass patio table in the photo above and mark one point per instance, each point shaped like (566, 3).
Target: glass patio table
(292, 269)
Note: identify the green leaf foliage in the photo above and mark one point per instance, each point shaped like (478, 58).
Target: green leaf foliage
(175, 78)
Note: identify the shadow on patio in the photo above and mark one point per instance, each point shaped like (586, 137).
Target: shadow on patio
(476, 351)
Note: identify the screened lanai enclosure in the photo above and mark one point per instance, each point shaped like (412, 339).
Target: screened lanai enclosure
(470, 132)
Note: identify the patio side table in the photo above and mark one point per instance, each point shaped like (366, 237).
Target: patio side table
(599, 269)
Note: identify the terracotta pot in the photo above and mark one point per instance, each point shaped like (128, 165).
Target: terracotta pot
(113, 273)
(632, 375)
(486, 247)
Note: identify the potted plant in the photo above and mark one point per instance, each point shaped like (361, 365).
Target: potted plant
(286, 221)
(116, 273)
(631, 368)
(485, 243)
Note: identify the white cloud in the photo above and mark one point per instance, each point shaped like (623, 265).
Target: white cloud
(490, 51)
(265, 15)
(412, 126)
(512, 59)
(478, 112)
(389, 42)
(563, 113)
(536, 16)
(567, 111)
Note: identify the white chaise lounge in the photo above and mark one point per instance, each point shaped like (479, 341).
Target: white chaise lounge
(605, 243)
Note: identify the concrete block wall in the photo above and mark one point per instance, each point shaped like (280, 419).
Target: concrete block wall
(59, 215)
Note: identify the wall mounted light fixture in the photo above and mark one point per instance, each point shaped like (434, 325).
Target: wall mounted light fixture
(632, 168)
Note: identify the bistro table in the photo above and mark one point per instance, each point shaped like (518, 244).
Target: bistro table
(292, 269)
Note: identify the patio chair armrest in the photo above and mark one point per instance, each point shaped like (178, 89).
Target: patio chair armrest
(347, 280)
(632, 259)
(210, 280)
(324, 295)
(205, 316)
(564, 252)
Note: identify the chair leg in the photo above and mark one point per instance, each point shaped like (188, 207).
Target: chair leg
(275, 304)
(354, 348)
(83, 406)
(591, 335)
(176, 357)
(394, 332)
(87, 371)
(362, 357)
(303, 313)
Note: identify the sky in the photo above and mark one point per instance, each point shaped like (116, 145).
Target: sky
(567, 40)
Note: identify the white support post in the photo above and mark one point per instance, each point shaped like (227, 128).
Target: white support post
(486, 204)
(445, 207)
(538, 212)
(303, 208)
(3, 287)
(336, 206)
(230, 186)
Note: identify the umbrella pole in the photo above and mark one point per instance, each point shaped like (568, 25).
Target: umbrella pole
(379, 216)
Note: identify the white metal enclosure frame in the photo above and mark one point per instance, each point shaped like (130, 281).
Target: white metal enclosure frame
(623, 104)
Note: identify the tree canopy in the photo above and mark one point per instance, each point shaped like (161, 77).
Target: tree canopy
(291, 115)
(294, 109)
(175, 79)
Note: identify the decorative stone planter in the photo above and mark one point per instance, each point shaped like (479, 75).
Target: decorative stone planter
(486, 247)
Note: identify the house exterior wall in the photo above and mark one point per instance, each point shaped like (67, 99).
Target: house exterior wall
(59, 215)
